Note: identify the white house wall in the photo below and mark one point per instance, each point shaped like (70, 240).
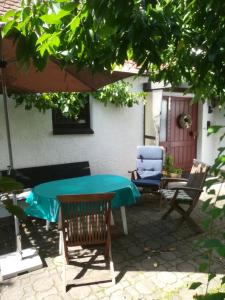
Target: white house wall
(156, 110)
(111, 149)
(152, 116)
(208, 145)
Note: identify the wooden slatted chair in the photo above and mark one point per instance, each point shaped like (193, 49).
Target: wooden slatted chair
(187, 195)
(85, 221)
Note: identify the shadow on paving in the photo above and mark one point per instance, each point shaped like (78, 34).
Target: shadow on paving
(151, 245)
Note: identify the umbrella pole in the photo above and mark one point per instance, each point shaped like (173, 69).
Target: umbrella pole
(10, 167)
(5, 100)
(3, 65)
(20, 261)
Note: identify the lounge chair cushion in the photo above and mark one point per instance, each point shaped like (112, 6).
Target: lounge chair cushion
(149, 174)
(146, 182)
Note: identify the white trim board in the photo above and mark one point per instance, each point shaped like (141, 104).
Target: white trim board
(176, 94)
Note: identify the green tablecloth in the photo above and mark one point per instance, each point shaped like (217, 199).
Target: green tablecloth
(43, 203)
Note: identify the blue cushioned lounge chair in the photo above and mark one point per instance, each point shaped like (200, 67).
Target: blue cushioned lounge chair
(149, 165)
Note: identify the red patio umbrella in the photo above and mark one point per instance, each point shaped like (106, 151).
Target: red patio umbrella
(53, 78)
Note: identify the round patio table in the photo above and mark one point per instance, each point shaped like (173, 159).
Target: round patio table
(43, 201)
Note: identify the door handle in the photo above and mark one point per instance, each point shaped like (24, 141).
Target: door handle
(193, 134)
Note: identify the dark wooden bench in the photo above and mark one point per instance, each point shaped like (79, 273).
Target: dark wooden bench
(32, 176)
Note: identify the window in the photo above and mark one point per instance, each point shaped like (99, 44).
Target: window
(64, 125)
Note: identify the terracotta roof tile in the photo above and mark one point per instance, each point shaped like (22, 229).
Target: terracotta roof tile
(6, 5)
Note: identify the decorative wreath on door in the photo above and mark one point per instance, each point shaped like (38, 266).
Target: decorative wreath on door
(184, 120)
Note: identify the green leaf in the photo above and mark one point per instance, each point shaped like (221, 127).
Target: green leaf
(210, 182)
(48, 43)
(214, 129)
(212, 192)
(221, 149)
(221, 250)
(213, 296)
(215, 212)
(23, 52)
(8, 15)
(14, 209)
(195, 285)
(206, 223)
(53, 42)
(220, 197)
(203, 267)
(74, 23)
(8, 184)
(223, 280)
(212, 243)
(44, 49)
(43, 38)
(7, 27)
(222, 137)
(54, 18)
(69, 6)
(211, 276)
(26, 13)
(205, 204)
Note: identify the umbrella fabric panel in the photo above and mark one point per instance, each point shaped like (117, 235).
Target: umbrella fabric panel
(53, 78)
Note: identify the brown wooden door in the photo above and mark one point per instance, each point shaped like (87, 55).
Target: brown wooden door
(179, 142)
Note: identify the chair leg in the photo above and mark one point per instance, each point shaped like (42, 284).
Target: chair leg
(124, 219)
(112, 220)
(64, 271)
(186, 217)
(160, 203)
(106, 251)
(192, 224)
(181, 221)
(47, 225)
(167, 213)
(60, 242)
(111, 267)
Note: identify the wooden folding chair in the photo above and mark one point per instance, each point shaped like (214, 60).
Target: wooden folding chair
(85, 221)
(187, 195)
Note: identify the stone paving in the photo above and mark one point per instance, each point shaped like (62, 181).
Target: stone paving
(155, 261)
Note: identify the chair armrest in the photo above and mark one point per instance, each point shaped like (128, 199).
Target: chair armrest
(187, 188)
(166, 180)
(174, 199)
(174, 179)
(133, 175)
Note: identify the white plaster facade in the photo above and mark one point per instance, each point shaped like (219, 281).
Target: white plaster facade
(152, 116)
(111, 149)
(208, 145)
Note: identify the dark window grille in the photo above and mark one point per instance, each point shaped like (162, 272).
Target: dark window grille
(64, 125)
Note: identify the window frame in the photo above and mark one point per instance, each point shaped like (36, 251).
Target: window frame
(62, 125)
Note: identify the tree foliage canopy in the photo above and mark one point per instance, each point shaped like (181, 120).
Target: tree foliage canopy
(175, 41)
(117, 93)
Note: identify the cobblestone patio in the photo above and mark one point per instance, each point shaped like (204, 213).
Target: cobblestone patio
(154, 261)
